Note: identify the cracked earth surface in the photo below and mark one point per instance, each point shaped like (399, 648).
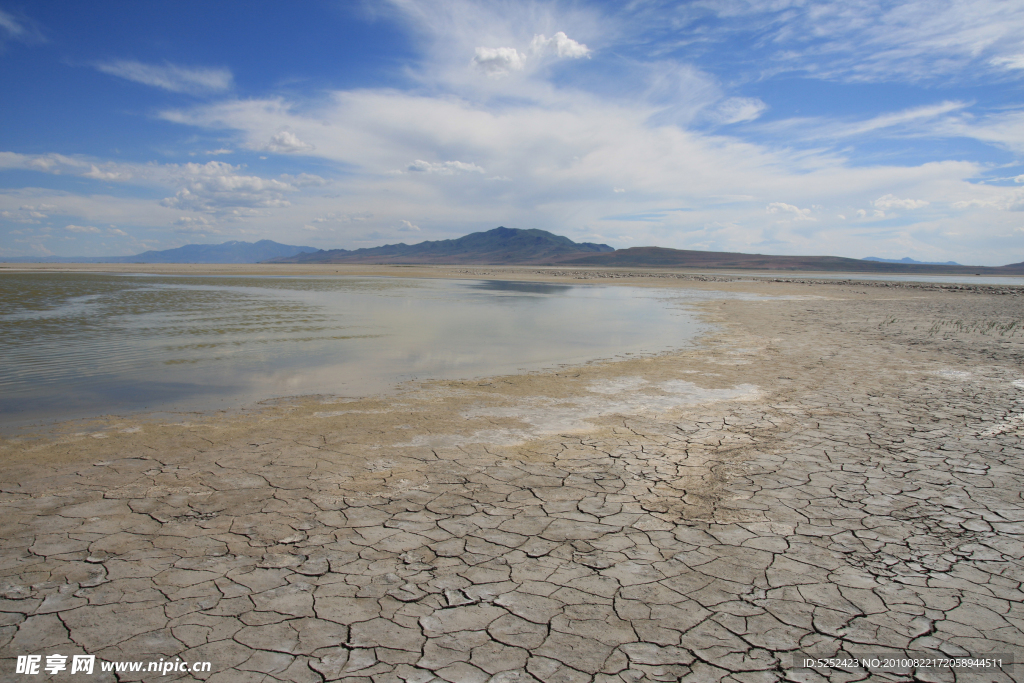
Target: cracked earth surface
(830, 474)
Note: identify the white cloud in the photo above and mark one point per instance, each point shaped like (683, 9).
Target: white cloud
(908, 121)
(95, 173)
(1001, 128)
(216, 187)
(286, 142)
(193, 220)
(889, 201)
(406, 226)
(212, 187)
(496, 62)
(194, 225)
(343, 217)
(11, 25)
(783, 208)
(443, 167)
(81, 228)
(116, 231)
(1011, 62)
(18, 28)
(868, 41)
(181, 79)
(217, 152)
(304, 180)
(1000, 199)
(559, 44)
(739, 109)
(45, 163)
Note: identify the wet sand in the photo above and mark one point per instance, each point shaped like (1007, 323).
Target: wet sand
(837, 470)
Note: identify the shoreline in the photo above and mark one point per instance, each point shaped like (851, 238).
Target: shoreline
(836, 472)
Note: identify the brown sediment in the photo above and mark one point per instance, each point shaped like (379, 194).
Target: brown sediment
(834, 469)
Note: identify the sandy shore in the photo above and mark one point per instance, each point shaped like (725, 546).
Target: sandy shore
(837, 470)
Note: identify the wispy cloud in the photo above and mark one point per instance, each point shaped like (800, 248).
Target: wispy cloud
(889, 201)
(180, 79)
(864, 41)
(443, 167)
(11, 26)
(21, 29)
(835, 128)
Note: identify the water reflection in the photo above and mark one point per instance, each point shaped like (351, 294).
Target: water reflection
(521, 287)
(87, 344)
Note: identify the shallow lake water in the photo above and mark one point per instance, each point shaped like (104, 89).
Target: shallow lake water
(87, 344)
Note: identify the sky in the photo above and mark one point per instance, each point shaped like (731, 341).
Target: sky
(860, 128)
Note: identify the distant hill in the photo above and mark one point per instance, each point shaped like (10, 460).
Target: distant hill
(907, 259)
(498, 246)
(228, 252)
(659, 257)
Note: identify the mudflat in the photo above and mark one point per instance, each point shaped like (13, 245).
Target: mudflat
(836, 472)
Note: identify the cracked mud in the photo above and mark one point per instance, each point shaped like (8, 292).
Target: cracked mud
(835, 473)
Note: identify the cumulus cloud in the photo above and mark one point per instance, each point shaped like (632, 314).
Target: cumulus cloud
(889, 201)
(783, 208)
(180, 79)
(116, 231)
(559, 44)
(81, 228)
(216, 187)
(28, 214)
(286, 142)
(496, 62)
(211, 187)
(406, 226)
(443, 167)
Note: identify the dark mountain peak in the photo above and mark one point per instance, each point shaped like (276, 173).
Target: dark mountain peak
(496, 246)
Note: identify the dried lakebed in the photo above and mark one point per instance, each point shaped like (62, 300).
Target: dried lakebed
(834, 474)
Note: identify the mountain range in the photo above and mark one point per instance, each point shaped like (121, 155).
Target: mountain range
(227, 252)
(506, 246)
(513, 246)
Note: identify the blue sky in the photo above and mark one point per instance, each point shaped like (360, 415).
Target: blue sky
(774, 126)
